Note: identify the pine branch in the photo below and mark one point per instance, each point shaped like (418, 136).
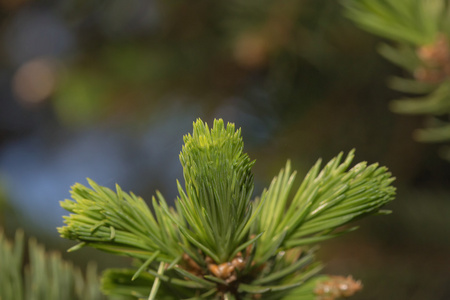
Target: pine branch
(46, 277)
(219, 244)
(119, 223)
(408, 21)
(325, 201)
(219, 185)
(421, 33)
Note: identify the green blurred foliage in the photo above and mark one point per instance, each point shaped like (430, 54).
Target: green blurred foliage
(44, 275)
(419, 32)
(293, 52)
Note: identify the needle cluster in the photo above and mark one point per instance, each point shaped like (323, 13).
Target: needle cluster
(218, 243)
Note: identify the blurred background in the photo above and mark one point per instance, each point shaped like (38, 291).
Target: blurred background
(107, 89)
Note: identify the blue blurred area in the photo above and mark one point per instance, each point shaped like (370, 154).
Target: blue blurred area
(35, 32)
(39, 169)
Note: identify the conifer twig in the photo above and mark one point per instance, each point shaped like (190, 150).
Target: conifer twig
(218, 243)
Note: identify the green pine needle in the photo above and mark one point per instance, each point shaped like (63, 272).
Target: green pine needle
(420, 31)
(45, 276)
(326, 200)
(119, 223)
(410, 21)
(217, 243)
(219, 186)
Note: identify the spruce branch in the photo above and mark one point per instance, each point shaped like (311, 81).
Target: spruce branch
(217, 243)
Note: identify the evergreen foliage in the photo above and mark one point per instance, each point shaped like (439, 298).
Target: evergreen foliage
(46, 277)
(420, 31)
(217, 243)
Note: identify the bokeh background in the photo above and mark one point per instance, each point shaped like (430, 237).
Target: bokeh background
(106, 90)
